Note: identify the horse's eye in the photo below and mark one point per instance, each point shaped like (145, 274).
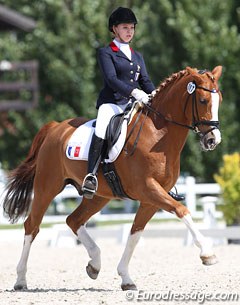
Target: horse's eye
(203, 101)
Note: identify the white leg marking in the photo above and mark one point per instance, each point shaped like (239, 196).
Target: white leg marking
(200, 241)
(21, 282)
(127, 254)
(92, 249)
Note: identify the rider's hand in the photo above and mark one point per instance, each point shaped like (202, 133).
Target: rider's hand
(153, 93)
(140, 96)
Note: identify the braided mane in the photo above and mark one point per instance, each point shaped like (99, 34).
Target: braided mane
(167, 81)
(175, 76)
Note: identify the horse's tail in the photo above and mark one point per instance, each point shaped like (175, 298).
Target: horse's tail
(20, 181)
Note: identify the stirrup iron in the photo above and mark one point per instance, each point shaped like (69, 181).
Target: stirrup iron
(90, 186)
(176, 196)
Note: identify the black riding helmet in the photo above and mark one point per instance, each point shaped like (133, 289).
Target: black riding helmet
(121, 15)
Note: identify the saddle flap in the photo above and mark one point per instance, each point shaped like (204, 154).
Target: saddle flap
(114, 129)
(115, 125)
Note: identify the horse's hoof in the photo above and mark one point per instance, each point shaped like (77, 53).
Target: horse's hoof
(20, 287)
(92, 272)
(209, 260)
(128, 287)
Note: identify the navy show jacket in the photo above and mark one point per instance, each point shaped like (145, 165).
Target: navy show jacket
(121, 75)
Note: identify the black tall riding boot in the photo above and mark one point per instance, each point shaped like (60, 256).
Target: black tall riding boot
(90, 182)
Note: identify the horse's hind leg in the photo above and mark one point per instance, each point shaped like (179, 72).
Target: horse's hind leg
(40, 204)
(77, 220)
(207, 255)
(21, 282)
(144, 214)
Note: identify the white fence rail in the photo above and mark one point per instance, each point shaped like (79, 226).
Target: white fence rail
(193, 192)
(203, 195)
(196, 194)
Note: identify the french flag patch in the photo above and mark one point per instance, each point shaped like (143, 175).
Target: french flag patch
(69, 151)
(77, 151)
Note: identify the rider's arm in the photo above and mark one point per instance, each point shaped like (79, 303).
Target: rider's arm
(144, 80)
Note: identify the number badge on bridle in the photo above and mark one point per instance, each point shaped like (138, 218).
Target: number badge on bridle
(191, 87)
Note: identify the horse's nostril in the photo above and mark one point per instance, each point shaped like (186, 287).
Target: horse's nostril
(210, 141)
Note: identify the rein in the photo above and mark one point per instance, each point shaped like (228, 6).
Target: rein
(138, 134)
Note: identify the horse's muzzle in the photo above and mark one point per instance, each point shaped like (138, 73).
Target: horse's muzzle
(210, 140)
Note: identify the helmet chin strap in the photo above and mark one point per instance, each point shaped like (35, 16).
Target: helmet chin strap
(118, 37)
(121, 40)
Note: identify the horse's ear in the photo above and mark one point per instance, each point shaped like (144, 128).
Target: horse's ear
(195, 74)
(217, 72)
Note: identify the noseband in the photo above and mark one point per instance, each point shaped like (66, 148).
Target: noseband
(191, 88)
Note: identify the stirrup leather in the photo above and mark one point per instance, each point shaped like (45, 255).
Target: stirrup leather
(90, 184)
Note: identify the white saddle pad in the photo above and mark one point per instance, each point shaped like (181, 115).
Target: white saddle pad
(79, 143)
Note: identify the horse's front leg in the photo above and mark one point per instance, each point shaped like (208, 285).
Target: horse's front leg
(157, 195)
(207, 255)
(144, 214)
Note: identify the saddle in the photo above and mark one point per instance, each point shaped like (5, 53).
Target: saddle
(79, 143)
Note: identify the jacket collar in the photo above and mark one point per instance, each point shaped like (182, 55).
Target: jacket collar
(115, 48)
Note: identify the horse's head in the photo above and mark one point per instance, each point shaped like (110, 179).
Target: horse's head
(203, 92)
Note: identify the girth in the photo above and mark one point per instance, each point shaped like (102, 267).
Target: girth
(114, 180)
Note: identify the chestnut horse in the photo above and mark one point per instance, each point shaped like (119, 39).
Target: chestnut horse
(187, 100)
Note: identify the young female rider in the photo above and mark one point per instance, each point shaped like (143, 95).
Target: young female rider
(123, 71)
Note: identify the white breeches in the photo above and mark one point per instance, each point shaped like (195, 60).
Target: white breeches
(105, 113)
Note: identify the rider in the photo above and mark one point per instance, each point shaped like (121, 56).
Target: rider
(124, 72)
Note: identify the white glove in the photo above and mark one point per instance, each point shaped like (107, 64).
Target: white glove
(140, 96)
(153, 93)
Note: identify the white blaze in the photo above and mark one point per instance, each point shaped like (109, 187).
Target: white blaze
(215, 106)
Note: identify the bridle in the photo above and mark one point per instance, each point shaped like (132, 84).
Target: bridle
(196, 122)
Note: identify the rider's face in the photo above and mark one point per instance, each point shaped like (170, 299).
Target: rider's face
(124, 32)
